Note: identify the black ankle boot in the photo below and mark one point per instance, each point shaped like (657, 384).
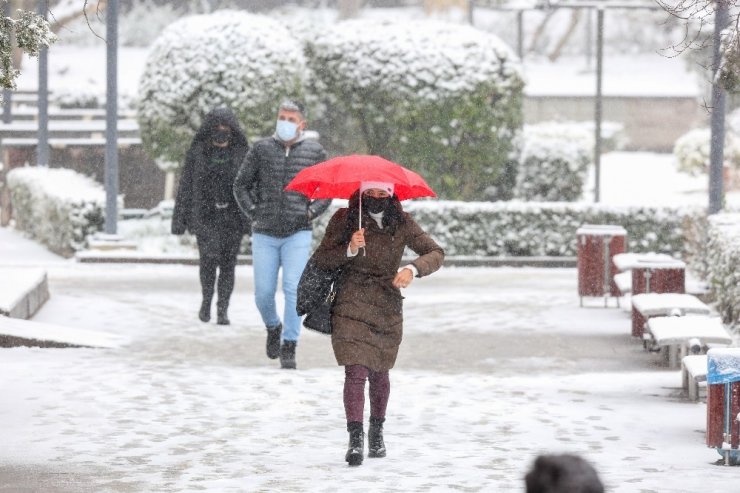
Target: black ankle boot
(356, 443)
(205, 311)
(287, 355)
(222, 318)
(375, 443)
(273, 341)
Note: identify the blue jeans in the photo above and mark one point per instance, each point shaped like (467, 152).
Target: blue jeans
(268, 255)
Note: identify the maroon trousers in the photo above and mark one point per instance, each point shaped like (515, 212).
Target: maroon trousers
(354, 392)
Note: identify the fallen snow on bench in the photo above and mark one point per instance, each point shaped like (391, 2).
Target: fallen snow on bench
(676, 330)
(652, 304)
(627, 261)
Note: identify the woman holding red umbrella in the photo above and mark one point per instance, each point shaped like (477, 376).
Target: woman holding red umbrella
(367, 317)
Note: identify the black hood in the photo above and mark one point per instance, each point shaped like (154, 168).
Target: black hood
(221, 116)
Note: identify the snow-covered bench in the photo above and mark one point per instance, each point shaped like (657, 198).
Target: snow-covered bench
(625, 262)
(623, 280)
(677, 336)
(648, 305)
(693, 374)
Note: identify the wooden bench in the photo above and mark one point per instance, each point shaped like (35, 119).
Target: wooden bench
(648, 305)
(625, 262)
(623, 280)
(693, 374)
(677, 337)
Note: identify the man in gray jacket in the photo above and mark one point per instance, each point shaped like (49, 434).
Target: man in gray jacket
(281, 222)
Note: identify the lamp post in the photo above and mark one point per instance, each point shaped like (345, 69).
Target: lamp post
(111, 118)
(42, 154)
(716, 152)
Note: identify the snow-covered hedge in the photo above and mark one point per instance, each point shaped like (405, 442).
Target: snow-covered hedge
(723, 264)
(553, 162)
(57, 207)
(541, 229)
(443, 99)
(229, 58)
(692, 150)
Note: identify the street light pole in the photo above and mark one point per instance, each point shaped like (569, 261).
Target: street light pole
(111, 119)
(716, 153)
(42, 153)
(598, 110)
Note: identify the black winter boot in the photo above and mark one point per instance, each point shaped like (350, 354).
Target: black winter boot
(273, 341)
(375, 443)
(356, 445)
(222, 317)
(205, 311)
(287, 355)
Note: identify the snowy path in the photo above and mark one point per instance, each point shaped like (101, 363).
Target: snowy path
(497, 365)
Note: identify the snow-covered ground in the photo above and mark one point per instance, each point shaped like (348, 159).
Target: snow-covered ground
(497, 365)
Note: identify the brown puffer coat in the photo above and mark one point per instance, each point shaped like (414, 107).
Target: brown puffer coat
(367, 319)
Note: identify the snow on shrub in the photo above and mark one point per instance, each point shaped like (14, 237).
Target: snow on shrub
(723, 264)
(57, 207)
(511, 229)
(229, 58)
(553, 162)
(692, 150)
(443, 99)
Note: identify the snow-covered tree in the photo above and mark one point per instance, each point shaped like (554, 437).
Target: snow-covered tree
(441, 98)
(26, 30)
(242, 61)
(553, 162)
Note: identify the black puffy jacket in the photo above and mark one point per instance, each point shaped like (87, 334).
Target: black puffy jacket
(259, 187)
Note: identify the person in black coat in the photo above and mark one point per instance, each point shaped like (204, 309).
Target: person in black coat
(205, 206)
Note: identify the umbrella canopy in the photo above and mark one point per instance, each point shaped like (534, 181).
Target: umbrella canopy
(340, 177)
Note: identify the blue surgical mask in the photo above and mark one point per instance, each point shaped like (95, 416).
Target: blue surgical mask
(286, 130)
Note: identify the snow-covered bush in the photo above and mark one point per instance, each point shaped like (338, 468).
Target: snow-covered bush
(553, 162)
(57, 207)
(511, 229)
(692, 150)
(229, 58)
(440, 98)
(723, 254)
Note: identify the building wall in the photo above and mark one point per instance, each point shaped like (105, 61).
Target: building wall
(650, 123)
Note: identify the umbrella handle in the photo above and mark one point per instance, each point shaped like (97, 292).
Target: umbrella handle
(364, 252)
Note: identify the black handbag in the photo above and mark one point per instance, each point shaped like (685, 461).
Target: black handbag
(316, 292)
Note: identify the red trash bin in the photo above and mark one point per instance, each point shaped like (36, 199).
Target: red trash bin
(723, 403)
(597, 245)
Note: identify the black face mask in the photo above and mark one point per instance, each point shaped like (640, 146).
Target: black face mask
(221, 137)
(376, 205)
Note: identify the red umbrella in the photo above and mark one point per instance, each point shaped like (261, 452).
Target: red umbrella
(340, 177)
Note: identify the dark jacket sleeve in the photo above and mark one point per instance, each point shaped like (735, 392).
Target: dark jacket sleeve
(244, 182)
(184, 199)
(332, 251)
(431, 255)
(318, 207)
